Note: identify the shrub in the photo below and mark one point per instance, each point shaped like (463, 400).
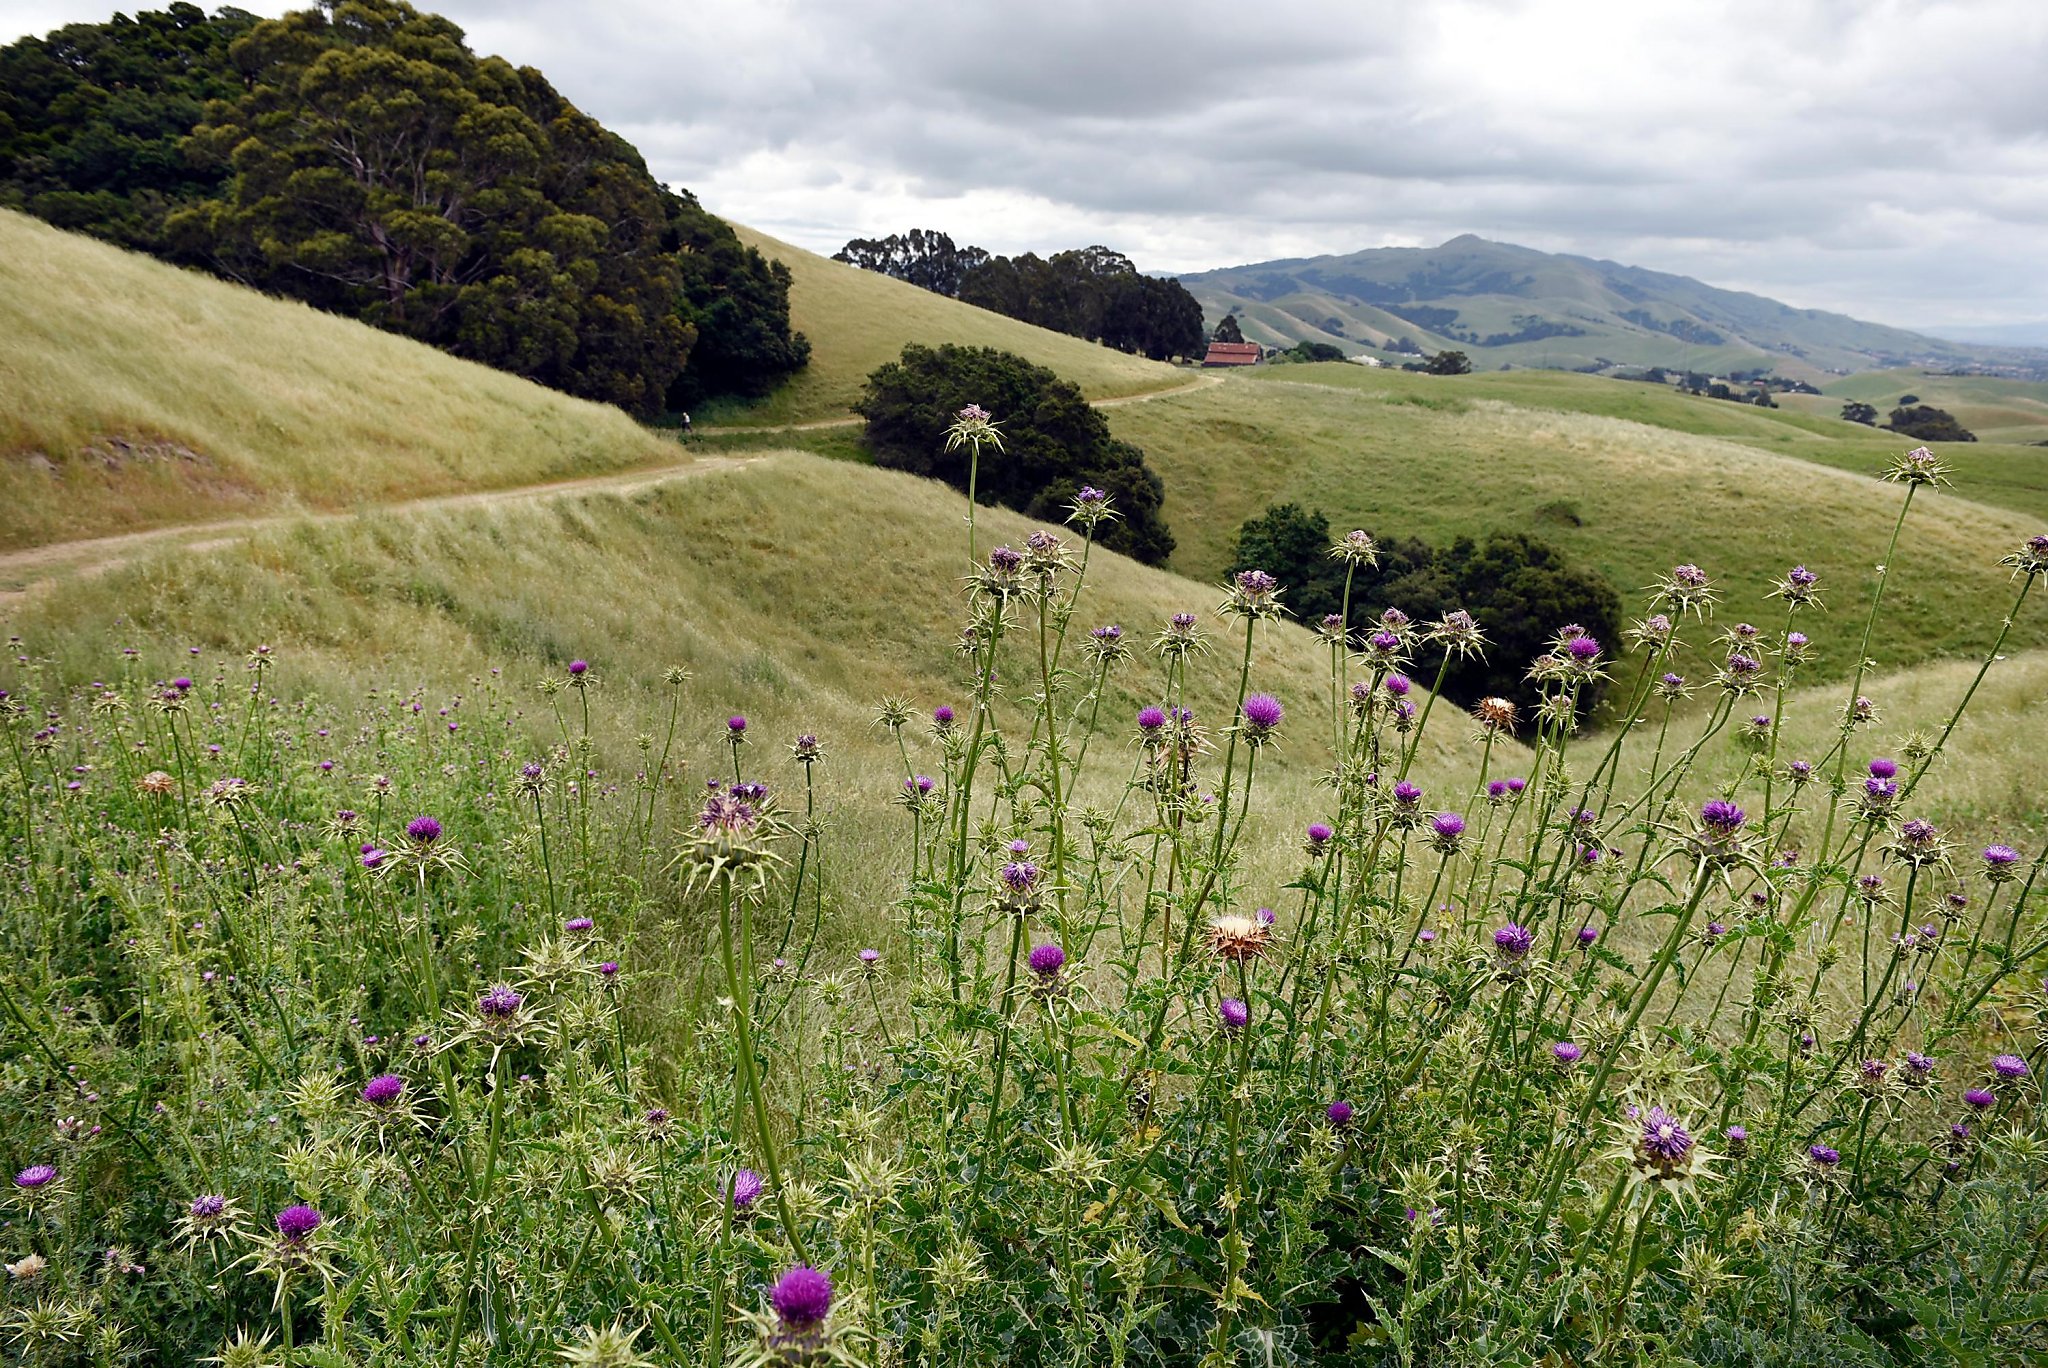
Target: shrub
(1054, 442)
(1521, 589)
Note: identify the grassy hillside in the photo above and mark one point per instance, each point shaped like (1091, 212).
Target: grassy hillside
(2011, 477)
(1996, 410)
(138, 395)
(744, 576)
(856, 320)
(1402, 454)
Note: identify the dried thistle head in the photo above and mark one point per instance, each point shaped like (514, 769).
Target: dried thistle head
(1239, 938)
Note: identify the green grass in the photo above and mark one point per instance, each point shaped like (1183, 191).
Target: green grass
(802, 620)
(1422, 456)
(856, 320)
(233, 404)
(1996, 410)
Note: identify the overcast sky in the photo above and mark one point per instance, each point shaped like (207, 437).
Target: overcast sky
(1883, 158)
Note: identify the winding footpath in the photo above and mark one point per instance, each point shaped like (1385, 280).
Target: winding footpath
(24, 571)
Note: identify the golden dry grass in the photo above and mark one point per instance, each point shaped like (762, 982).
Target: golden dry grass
(232, 403)
(857, 320)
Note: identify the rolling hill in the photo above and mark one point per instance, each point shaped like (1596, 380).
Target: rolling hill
(856, 320)
(1508, 305)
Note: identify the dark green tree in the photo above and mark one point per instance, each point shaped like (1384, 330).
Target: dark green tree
(923, 257)
(362, 158)
(1523, 592)
(1855, 411)
(1313, 351)
(1054, 442)
(1928, 425)
(93, 118)
(1449, 363)
(1227, 330)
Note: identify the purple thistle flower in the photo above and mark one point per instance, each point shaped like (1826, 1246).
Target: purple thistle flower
(870, 956)
(918, 785)
(1665, 1140)
(1722, 816)
(501, 1003)
(1737, 1137)
(1448, 825)
(1407, 794)
(1999, 862)
(735, 725)
(182, 684)
(208, 1205)
(1587, 935)
(609, 969)
(384, 1090)
(1020, 876)
(802, 1297)
(1339, 1113)
(1566, 1053)
(1234, 1014)
(1516, 784)
(1583, 649)
(1496, 789)
(2009, 1066)
(1047, 960)
(35, 1176)
(579, 925)
(423, 829)
(746, 1189)
(1151, 719)
(1263, 711)
(372, 857)
(1426, 936)
(578, 667)
(1514, 941)
(1318, 833)
(1823, 1157)
(1714, 932)
(295, 1223)
(1882, 768)
(942, 715)
(1980, 1098)
(1397, 685)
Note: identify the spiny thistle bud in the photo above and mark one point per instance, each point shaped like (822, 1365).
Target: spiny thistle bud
(1180, 639)
(1090, 506)
(1797, 587)
(1356, 547)
(2031, 558)
(1917, 842)
(1106, 645)
(1919, 466)
(1686, 589)
(1860, 712)
(1253, 594)
(806, 750)
(1458, 633)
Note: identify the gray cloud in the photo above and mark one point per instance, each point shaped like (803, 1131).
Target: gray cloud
(1887, 158)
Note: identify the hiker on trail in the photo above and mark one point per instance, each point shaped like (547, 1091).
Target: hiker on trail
(686, 425)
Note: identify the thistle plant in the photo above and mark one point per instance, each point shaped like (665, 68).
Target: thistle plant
(1689, 1034)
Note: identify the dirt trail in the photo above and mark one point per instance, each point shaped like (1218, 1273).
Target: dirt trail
(23, 571)
(1199, 382)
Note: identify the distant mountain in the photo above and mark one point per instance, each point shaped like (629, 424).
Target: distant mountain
(1509, 305)
(1998, 334)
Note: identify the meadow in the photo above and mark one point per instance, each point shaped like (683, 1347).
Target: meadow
(770, 913)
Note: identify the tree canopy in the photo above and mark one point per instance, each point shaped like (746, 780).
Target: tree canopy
(1054, 441)
(1521, 589)
(1228, 330)
(1928, 424)
(1089, 292)
(362, 158)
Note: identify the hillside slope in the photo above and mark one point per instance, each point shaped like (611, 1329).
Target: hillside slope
(139, 395)
(1413, 455)
(856, 320)
(1506, 304)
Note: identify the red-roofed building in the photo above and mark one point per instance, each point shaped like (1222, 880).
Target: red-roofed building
(1233, 354)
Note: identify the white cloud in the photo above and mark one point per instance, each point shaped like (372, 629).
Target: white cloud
(1886, 159)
